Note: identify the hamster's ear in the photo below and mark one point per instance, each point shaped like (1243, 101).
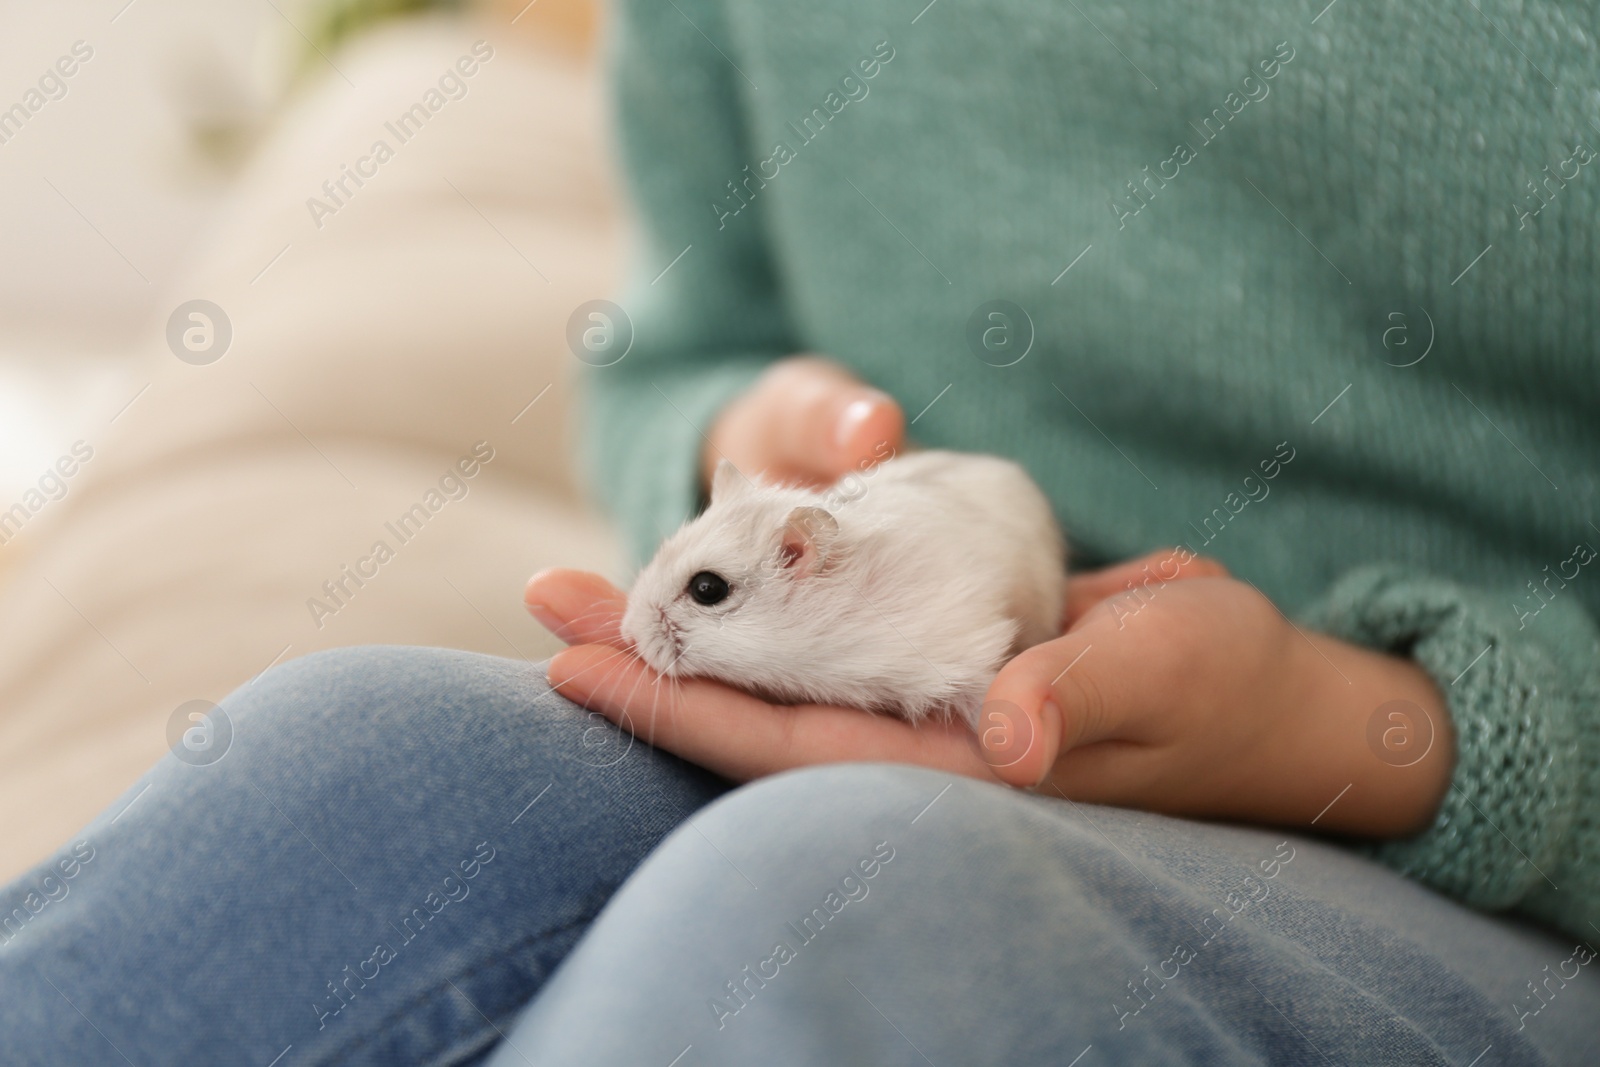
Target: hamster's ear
(805, 539)
(727, 481)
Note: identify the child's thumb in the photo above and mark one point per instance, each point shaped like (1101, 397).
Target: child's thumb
(829, 424)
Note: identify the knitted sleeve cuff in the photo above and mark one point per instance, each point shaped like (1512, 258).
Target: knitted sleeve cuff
(644, 440)
(1503, 829)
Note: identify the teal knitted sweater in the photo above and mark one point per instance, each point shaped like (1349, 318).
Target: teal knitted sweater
(1316, 295)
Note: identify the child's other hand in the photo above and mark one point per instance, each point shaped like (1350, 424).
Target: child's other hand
(1198, 697)
(808, 421)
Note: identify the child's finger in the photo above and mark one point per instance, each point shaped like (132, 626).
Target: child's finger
(579, 607)
(822, 421)
(808, 420)
(1080, 689)
(739, 736)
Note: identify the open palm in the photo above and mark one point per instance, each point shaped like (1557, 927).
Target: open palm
(714, 725)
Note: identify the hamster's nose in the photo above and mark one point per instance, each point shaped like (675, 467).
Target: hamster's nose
(651, 635)
(638, 630)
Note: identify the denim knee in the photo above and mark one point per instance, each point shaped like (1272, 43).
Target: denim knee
(831, 798)
(440, 722)
(402, 843)
(371, 682)
(739, 932)
(832, 801)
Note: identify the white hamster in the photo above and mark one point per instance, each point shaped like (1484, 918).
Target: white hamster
(903, 589)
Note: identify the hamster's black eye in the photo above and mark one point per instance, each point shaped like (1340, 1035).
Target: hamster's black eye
(708, 587)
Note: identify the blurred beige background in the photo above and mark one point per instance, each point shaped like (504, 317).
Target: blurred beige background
(367, 356)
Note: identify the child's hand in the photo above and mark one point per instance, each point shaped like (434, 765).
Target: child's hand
(1192, 697)
(806, 420)
(721, 728)
(1200, 698)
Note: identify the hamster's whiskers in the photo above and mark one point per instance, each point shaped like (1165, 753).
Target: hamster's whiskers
(655, 699)
(627, 704)
(616, 661)
(603, 616)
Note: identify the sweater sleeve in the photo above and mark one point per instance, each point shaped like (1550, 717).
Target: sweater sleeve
(1520, 826)
(702, 297)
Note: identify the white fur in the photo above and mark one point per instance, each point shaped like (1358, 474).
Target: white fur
(941, 567)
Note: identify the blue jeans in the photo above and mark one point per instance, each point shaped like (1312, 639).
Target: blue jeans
(397, 853)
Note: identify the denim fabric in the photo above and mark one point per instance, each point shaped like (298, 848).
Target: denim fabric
(892, 915)
(234, 912)
(400, 847)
